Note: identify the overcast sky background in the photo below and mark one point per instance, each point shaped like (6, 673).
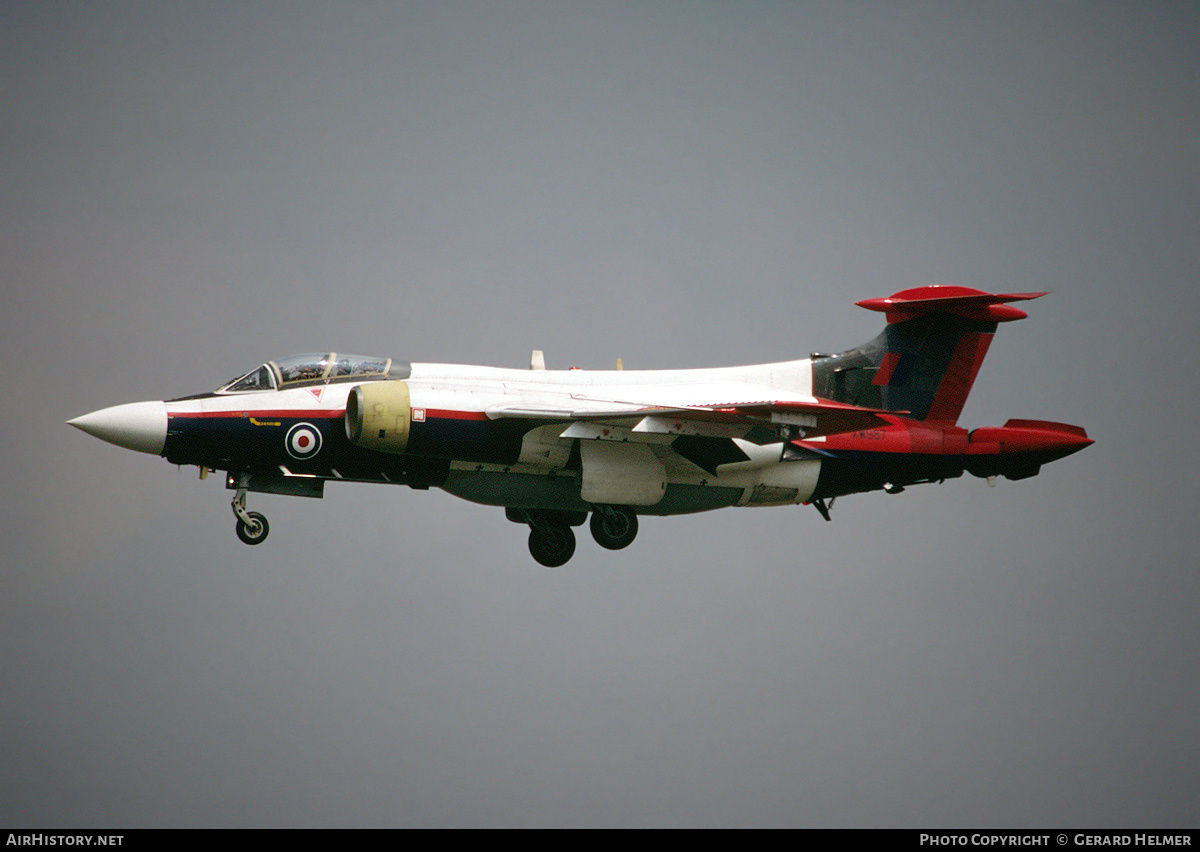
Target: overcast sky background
(189, 189)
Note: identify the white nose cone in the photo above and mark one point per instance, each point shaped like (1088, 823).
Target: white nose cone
(140, 426)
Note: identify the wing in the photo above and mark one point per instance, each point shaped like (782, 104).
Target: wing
(702, 432)
(756, 420)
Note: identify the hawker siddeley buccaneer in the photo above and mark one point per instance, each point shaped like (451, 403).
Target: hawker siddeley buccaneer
(555, 446)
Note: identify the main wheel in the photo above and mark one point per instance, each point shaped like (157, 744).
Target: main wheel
(256, 531)
(615, 527)
(552, 545)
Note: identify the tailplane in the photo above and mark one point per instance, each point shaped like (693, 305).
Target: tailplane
(925, 361)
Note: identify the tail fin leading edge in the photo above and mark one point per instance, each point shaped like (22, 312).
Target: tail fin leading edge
(926, 359)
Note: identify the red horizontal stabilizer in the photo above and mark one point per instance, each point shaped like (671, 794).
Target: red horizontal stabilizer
(965, 302)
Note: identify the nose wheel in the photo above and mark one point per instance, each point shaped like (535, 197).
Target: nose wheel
(252, 527)
(255, 531)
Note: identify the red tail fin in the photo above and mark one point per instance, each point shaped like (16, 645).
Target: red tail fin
(925, 361)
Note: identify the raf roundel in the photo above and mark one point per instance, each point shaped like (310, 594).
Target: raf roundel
(303, 441)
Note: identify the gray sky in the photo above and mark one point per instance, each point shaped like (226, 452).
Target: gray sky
(191, 188)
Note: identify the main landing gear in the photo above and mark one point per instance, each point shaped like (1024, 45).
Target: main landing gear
(252, 527)
(614, 527)
(551, 544)
(552, 541)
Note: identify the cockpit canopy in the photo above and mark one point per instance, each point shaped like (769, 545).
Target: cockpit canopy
(314, 369)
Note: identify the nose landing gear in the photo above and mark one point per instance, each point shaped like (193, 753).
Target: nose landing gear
(252, 527)
(253, 531)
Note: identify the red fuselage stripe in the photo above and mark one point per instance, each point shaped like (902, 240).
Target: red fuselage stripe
(449, 414)
(242, 414)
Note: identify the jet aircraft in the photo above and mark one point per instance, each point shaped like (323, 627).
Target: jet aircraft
(555, 447)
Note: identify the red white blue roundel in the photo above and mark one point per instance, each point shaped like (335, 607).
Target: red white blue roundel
(303, 441)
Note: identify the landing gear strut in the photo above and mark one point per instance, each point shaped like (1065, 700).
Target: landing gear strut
(252, 527)
(614, 527)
